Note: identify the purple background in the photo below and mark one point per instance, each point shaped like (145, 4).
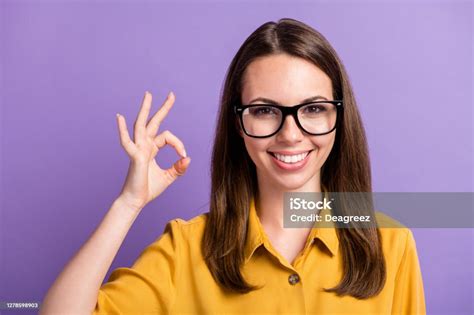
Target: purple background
(67, 68)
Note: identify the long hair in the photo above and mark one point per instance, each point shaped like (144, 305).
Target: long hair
(234, 179)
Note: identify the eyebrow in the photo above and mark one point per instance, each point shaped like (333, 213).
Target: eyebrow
(269, 101)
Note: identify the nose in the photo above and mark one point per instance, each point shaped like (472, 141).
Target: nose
(290, 132)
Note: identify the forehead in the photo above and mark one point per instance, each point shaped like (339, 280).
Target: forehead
(285, 79)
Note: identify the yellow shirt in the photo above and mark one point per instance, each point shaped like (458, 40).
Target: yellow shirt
(170, 277)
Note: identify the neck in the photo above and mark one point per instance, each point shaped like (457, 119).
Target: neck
(269, 201)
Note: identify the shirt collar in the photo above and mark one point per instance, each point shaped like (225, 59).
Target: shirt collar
(256, 234)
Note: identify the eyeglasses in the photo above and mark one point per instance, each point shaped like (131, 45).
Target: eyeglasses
(264, 120)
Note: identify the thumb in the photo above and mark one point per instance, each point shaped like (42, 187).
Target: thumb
(179, 167)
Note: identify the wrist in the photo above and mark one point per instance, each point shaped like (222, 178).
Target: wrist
(125, 202)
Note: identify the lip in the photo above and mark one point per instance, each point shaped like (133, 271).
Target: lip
(290, 152)
(290, 167)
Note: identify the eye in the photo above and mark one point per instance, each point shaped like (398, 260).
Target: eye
(314, 109)
(263, 111)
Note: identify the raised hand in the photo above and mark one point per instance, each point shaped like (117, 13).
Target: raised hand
(146, 180)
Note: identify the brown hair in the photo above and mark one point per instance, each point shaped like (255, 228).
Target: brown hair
(233, 173)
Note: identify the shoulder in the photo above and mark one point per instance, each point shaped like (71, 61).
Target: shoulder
(395, 234)
(196, 220)
(386, 221)
(397, 239)
(187, 230)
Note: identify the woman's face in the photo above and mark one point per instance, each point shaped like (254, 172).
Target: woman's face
(288, 81)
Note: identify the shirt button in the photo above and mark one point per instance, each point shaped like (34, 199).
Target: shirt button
(294, 279)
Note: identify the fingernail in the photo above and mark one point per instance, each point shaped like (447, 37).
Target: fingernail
(117, 114)
(183, 153)
(170, 94)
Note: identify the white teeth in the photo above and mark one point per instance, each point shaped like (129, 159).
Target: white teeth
(291, 158)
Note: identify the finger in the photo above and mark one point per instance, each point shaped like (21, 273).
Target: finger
(178, 169)
(155, 121)
(166, 137)
(125, 140)
(140, 123)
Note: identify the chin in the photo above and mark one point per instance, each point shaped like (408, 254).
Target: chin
(291, 182)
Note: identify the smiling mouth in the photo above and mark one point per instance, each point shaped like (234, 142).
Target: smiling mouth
(290, 159)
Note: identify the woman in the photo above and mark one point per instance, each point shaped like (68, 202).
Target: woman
(238, 258)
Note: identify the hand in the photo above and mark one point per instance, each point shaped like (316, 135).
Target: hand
(146, 180)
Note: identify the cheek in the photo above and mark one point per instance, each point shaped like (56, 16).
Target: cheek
(326, 141)
(324, 144)
(256, 148)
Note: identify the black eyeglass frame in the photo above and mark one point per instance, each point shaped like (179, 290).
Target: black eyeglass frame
(289, 110)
